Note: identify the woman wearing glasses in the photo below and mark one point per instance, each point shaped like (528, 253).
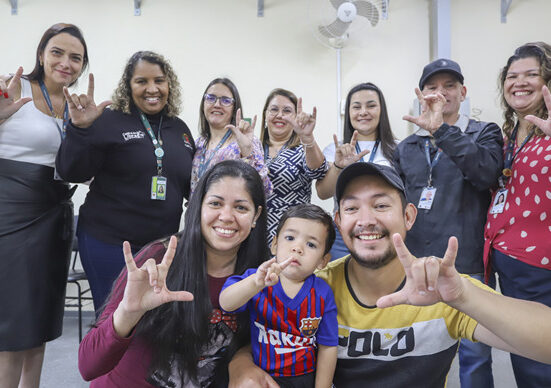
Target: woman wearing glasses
(139, 155)
(224, 134)
(292, 155)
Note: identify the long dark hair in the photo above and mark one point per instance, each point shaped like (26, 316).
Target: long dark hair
(384, 132)
(264, 133)
(59, 28)
(203, 123)
(181, 328)
(542, 52)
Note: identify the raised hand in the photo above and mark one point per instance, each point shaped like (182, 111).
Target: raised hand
(145, 286)
(83, 109)
(8, 105)
(345, 154)
(243, 132)
(431, 117)
(303, 124)
(428, 279)
(268, 272)
(544, 125)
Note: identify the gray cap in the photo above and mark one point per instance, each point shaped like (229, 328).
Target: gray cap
(357, 169)
(440, 66)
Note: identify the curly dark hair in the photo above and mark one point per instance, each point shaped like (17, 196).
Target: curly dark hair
(122, 96)
(542, 52)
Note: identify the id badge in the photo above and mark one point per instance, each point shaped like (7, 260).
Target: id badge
(158, 188)
(427, 196)
(499, 202)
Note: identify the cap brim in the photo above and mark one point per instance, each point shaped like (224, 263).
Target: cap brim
(362, 168)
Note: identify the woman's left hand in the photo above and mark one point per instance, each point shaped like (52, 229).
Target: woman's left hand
(304, 124)
(544, 125)
(243, 133)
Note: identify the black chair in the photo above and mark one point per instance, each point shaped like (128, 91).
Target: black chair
(76, 276)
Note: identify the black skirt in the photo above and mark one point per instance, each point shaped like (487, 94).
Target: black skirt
(36, 221)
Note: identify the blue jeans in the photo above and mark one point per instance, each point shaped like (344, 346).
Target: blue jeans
(475, 358)
(523, 281)
(338, 249)
(102, 263)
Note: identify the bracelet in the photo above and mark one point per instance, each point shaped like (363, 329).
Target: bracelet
(309, 145)
(338, 167)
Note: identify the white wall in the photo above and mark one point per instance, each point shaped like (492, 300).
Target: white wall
(209, 38)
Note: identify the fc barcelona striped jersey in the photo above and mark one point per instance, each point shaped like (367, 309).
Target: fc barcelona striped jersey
(285, 331)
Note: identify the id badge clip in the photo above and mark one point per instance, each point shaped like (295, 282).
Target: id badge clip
(158, 188)
(427, 197)
(499, 202)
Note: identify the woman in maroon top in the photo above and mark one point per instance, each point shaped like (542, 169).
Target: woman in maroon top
(518, 230)
(145, 337)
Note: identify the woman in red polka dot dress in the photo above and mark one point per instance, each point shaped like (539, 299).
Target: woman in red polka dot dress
(518, 230)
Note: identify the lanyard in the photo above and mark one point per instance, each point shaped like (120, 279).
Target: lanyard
(203, 165)
(510, 155)
(267, 152)
(373, 151)
(434, 161)
(46, 95)
(159, 152)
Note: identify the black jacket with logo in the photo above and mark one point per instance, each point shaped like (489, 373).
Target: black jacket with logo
(118, 153)
(469, 166)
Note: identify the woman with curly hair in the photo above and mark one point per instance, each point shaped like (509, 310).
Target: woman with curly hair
(518, 231)
(139, 155)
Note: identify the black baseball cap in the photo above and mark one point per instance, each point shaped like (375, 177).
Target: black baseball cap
(357, 169)
(439, 66)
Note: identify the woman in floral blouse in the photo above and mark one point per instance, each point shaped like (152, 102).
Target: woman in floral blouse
(224, 134)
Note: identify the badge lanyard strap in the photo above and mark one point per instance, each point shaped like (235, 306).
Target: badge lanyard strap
(203, 165)
(159, 152)
(267, 152)
(46, 95)
(373, 151)
(510, 155)
(434, 161)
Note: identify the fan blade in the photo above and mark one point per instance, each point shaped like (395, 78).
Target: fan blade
(367, 10)
(334, 30)
(337, 3)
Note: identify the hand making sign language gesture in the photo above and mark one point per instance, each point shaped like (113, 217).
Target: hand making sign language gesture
(145, 289)
(82, 108)
(431, 117)
(506, 323)
(544, 125)
(8, 105)
(243, 132)
(303, 124)
(428, 279)
(346, 154)
(267, 275)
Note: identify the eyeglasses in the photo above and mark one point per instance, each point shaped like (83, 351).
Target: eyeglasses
(224, 100)
(285, 111)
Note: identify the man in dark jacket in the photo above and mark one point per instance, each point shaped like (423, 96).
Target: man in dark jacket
(448, 167)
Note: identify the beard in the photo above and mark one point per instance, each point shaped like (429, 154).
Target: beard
(374, 262)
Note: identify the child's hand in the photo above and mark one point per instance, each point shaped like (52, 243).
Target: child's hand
(268, 273)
